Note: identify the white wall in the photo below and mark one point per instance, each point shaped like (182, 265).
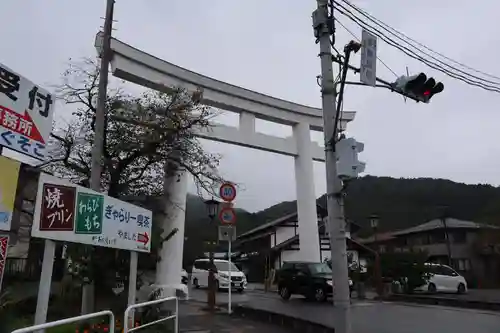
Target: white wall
(287, 255)
(282, 234)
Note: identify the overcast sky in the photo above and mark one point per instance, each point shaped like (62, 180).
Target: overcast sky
(268, 46)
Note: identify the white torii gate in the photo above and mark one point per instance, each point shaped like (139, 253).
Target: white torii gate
(136, 66)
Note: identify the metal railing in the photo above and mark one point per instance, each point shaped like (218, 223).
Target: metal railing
(71, 320)
(128, 313)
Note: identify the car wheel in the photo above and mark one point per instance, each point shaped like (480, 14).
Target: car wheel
(240, 290)
(319, 294)
(432, 288)
(196, 284)
(461, 288)
(285, 293)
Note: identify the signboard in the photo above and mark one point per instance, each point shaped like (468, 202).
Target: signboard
(227, 233)
(4, 246)
(71, 213)
(26, 113)
(227, 192)
(368, 72)
(9, 169)
(227, 215)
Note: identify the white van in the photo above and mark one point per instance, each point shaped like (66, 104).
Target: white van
(200, 275)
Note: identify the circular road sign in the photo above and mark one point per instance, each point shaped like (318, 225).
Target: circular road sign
(227, 192)
(227, 215)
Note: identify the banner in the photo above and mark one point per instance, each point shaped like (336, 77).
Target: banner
(4, 246)
(9, 171)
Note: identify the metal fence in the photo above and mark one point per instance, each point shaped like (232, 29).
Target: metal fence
(129, 315)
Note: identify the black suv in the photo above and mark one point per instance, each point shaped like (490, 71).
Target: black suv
(310, 279)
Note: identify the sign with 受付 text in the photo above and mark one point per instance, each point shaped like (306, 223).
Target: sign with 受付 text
(26, 113)
(71, 213)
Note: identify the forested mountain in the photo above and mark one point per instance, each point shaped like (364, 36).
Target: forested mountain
(399, 203)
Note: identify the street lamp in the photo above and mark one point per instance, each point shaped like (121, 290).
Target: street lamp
(374, 220)
(213, 208)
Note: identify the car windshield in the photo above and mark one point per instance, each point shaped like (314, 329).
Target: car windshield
(224, 266)
(320, 268)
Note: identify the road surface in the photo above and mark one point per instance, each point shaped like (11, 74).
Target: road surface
(373, 317)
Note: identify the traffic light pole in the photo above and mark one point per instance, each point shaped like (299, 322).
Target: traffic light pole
(334, 186)
(384, 84)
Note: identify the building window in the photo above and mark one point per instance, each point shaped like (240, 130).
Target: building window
(459, 236)
(462, 264)
(438, 237)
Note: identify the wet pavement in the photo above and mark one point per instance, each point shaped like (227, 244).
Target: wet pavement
(372, 316)
(195, 320)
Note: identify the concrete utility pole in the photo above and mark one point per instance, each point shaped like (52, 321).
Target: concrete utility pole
(96, 169)
(334, 185)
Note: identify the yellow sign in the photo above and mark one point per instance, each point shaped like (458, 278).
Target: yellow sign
(9, 171)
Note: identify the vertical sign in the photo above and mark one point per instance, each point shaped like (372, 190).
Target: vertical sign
(26, 113)
(57, 211)
(4, 246)
(368, 72)
(89, 210)
(9, 174)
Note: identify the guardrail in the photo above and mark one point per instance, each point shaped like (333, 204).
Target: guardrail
(132, 307)
(71, 320)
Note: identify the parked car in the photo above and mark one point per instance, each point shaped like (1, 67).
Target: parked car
(351, 284)
(184, 277)
(310, 279)
(443, 278)
(222, 267)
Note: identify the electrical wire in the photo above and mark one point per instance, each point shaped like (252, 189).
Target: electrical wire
(411, 53)
(394, 31)
(359, 40)
(423, 52)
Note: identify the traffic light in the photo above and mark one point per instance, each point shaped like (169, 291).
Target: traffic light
(348, 165)
(418, 86)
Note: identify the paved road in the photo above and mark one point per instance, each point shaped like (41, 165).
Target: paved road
(193, 319)
(375, 317)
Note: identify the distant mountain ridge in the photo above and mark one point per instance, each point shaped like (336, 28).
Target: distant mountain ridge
(399, 203)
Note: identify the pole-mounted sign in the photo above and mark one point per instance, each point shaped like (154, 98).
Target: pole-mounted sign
(227, 192)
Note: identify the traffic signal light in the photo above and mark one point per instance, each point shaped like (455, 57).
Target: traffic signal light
(348, 165)
(418, 86)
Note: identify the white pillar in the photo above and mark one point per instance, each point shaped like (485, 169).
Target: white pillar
(168, 269)
(306, 195)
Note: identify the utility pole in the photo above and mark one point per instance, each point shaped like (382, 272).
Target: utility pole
(336, 221)
(97, 149)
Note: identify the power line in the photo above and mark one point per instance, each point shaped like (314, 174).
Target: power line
(413, 55)
(413, 46)
(381, 23)
(359, 40)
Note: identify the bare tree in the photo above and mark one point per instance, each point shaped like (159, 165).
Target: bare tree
(141, 135)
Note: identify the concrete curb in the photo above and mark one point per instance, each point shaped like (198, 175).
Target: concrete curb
(445, 301)
(265, 316)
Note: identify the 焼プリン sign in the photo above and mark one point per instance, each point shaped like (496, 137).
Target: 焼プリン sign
(9, 171)
(71, 213)
(26, 113)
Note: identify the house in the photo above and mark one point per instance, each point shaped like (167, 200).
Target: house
(465, 249)
(267, 246)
